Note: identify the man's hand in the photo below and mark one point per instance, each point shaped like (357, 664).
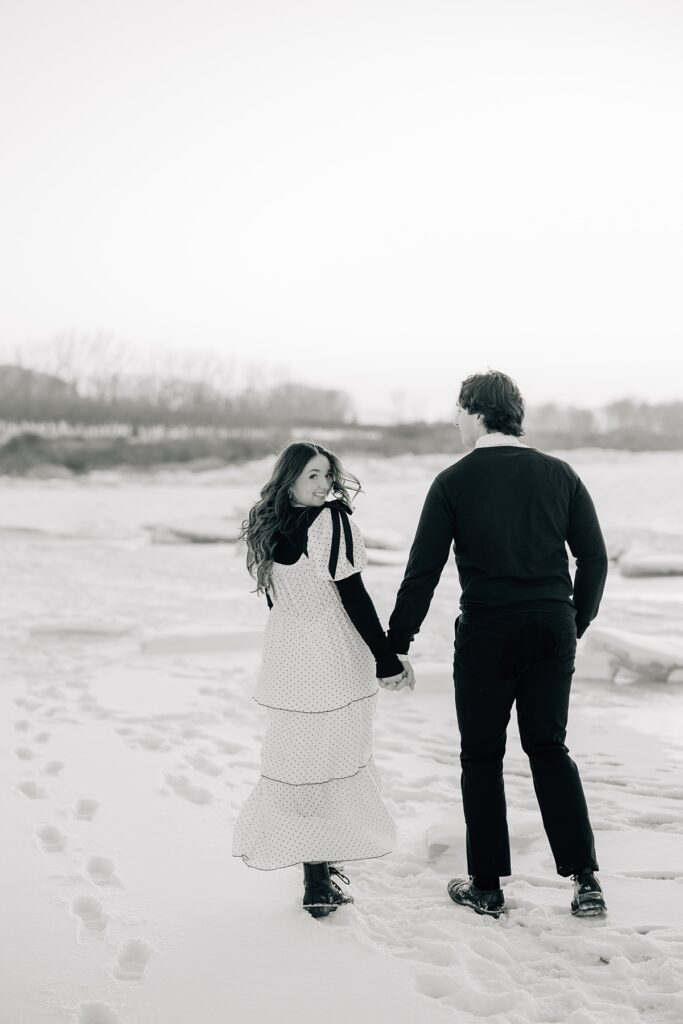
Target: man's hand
(409, 669)
(401, 681)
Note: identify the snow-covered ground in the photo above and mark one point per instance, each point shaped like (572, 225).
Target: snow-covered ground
(129, 740)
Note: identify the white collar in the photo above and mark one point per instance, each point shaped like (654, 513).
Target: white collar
(496, 438)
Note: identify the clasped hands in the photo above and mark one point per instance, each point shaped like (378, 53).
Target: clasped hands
(400, 682)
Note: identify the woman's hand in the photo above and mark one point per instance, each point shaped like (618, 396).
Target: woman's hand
(400, 681)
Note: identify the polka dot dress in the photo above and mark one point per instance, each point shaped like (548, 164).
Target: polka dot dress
(319, 794)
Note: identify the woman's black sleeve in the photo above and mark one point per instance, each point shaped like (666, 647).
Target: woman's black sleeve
(360, 609)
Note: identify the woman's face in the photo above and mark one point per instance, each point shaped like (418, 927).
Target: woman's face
(313, 485)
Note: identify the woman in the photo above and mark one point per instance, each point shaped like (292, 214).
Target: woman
(318, 799)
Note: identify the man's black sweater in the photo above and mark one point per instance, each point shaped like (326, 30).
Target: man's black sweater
(508, 511)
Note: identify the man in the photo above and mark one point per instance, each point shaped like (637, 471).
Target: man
(509, 510)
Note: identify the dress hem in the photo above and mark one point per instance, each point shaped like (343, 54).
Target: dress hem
(324, 711)
(332, 860)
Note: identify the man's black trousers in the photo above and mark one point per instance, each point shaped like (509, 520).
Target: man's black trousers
(523, 656)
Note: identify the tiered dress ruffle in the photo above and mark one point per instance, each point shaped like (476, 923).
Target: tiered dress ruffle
(319, 794)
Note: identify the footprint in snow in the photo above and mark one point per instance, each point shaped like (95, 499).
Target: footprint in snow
(192, 732)
(24, 754)
(53, 768)
(31, 789)
(50, 693)
(102, 871)
(28, 703)
(152, 742)
(86, 809)
(95, 1013)
(90, 913)
(51, 840)
(183, 787)
(131, 960)
(436, 986)
(228, 746)
(204, 764)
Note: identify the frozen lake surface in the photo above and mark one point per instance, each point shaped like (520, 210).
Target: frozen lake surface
(129, 741)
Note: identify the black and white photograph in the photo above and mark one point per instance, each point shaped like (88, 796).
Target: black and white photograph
(341, 512)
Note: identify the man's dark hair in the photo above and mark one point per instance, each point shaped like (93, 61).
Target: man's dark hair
(497, 399)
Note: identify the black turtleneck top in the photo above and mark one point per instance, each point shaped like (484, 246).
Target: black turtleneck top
(292, 544)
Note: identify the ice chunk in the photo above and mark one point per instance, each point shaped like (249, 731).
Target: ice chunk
(651, 563)
(610, 653)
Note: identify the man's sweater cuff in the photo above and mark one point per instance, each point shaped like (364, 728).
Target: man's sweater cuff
(400, 642)
(387, 666)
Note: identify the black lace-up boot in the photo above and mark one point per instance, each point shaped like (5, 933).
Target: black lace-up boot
(321, 894)
(491, 902)
(588, 899)
(336, 872)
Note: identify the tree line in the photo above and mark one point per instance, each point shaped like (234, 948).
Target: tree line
(96, 385)
(162, 400)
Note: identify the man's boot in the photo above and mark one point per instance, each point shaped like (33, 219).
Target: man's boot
(489, 902)
(588, 900)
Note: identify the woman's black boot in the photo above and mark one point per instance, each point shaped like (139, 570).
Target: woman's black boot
(321, 894)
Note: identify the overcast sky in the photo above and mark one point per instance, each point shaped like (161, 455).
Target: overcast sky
(379, 197)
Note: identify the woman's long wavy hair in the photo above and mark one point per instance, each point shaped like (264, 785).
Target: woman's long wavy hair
(272, 514)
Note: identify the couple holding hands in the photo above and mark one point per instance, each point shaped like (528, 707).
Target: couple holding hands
(509, 512)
